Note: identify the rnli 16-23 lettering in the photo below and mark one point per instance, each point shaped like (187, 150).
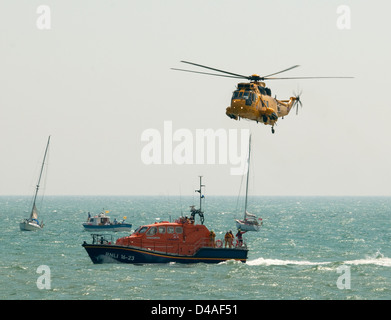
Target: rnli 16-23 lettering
(117, 256)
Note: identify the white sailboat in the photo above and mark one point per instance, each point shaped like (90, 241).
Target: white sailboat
(250, 221)
(32, 223)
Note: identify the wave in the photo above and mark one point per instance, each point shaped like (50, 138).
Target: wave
(378, 261)
(385, 262)
(278, 262)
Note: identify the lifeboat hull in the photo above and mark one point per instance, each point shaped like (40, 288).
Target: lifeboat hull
(102, 253)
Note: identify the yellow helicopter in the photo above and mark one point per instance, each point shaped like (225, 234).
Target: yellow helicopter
(254, 101)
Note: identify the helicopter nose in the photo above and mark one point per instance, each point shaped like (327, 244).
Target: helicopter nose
(237, 104)
(236, 108)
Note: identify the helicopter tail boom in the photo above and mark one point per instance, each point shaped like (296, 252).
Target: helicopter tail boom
(285, 106)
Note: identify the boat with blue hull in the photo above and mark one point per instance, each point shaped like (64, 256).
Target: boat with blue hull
(102, 251)
(181, 241)
(116, 227)
(102, 222)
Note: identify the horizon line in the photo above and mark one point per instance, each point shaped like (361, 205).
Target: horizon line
(191, 195)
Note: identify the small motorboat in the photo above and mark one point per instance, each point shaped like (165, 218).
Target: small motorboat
(101, 222)
(181, 241)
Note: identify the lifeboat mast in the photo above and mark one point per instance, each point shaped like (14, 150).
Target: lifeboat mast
(198, 211)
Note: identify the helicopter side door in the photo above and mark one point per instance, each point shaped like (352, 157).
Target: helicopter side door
(272, 104)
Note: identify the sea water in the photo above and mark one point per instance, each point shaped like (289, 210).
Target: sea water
(308, 248)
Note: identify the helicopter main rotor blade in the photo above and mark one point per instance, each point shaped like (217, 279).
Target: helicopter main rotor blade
(272, 74)
(254, 77)
(309, 78)
(218, 70)
(207, 73)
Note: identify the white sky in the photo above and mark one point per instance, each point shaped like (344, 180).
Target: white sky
(101, 76)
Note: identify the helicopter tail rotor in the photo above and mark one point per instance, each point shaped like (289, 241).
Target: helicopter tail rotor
(297, 102)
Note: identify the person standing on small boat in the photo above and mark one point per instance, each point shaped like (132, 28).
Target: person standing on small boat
(228, 239)
(239, 235)
(212, 237)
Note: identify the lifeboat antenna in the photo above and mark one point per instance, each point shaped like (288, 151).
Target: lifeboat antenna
(198, 211)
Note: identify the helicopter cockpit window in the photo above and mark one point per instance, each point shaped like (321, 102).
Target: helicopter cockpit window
(237, 95)
(261, 90)
(246, 94)
(249, 97)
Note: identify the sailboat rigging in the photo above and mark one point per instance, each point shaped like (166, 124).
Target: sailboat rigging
(32, 222)
(250, 221)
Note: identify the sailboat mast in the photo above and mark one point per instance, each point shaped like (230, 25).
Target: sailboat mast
(198, 211)
(40, 175)
(200, 191)
(248, 171)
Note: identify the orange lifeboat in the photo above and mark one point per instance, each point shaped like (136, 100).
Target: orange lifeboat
(182, 241)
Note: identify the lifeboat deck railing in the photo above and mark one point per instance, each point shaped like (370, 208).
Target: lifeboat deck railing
(178, 247)
(102, 238)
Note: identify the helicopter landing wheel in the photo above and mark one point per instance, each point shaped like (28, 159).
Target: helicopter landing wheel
(273, 130)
